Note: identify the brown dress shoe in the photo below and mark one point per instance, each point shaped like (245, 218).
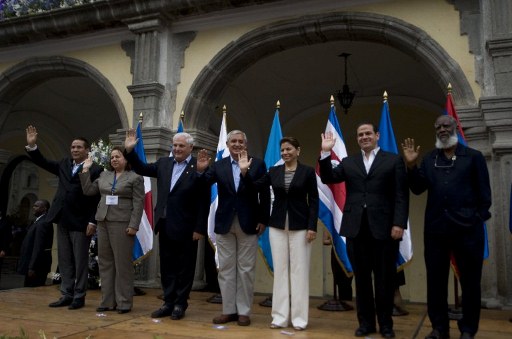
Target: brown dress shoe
(244, 320)
(225, 318)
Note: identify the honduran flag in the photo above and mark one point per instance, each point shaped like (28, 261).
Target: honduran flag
(332, 196)
(450, 110)
(387, 142)
(272, 158)
(222, 152)
(144, 237)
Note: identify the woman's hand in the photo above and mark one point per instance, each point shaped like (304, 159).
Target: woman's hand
(131, 231)
(87, 164)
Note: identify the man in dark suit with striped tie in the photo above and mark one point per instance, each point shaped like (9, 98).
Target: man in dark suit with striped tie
(74, 214)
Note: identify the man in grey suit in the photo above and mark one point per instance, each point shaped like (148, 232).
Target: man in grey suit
(74, 214)
(374, 218)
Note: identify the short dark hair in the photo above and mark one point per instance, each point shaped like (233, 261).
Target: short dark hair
(291, 140)
(45, 203)
(375, 128)
(87, 144)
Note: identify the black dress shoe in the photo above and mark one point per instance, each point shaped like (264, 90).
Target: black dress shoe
(104, 309)
(77, 303)
(466, 335)
(163, 311)
(63, 301)
(178, 312)
(437, 334)
(387, 332)
(121, 311)
(364, 331)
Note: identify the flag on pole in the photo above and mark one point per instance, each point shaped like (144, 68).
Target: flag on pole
(387, 142)
(332, 196)
(450, 110)
(272, 158)
(222, 152)
(180, 124)
(144, 237)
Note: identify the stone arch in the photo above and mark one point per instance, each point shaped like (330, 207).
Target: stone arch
(259, 43)
(19, 79)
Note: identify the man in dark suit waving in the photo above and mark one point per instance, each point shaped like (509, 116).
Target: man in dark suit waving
(74, 214)
(374, 217)
(181, 217)
(241, 216)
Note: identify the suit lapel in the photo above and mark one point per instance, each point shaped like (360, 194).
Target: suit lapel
(379, 159)
(190, 168)
(228, 169)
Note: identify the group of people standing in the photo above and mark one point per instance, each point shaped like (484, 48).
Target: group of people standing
(374, 218)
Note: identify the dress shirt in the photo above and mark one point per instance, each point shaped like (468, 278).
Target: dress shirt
(76, 167)
(178, 169)
(369, 161)
(236, 172)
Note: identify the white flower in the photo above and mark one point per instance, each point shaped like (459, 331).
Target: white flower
(100, 153)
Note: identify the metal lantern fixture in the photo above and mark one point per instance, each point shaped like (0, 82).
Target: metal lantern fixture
(345, 97)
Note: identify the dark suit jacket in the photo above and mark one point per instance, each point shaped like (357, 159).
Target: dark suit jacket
(300, 202)
(189, 198)
(36, 254)
(70, 207)
(383, 191)
(251, 206)
(5, 234)
(460, 194)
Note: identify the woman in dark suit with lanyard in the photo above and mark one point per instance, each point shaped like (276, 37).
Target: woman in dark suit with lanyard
(292, 229)
(118, 216)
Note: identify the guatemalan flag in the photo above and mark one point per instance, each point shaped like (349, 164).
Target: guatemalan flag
(272, 158)
(222, 152)
(332, 196)
(144, 237)
(387, 142)
(450, 110)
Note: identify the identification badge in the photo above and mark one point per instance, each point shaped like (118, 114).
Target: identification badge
(112, 199)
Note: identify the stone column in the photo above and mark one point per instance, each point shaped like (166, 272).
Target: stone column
(146, 89)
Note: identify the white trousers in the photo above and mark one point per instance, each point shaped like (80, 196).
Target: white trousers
(237, 263)
(291, 254)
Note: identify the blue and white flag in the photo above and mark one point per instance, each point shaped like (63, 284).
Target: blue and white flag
(222, 152)
(387, 142)
(144, 237)
(272, 158)
(180, 126)
(332, 196)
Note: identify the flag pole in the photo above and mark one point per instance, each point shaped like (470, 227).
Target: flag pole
(335, 304)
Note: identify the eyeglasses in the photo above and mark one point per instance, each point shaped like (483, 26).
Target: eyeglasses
(445, 166)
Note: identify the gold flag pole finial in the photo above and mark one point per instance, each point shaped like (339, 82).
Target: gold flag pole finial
(449, 87)
(182, 115)
(278, 104)
(224, 109)
(385, 96)
(332, 100)
(141, 117)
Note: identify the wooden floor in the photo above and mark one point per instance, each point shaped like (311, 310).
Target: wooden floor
(27, 309)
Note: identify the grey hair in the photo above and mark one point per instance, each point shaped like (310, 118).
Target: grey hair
(188, 138)
(236, 131)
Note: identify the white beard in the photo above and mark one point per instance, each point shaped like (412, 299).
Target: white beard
(452, 141)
